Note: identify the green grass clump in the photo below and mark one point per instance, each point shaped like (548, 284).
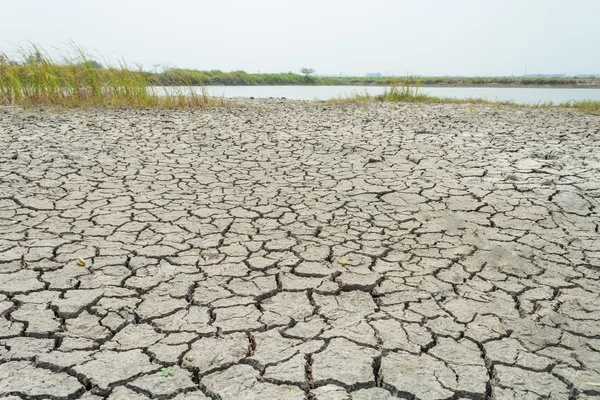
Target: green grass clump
(588, 106)
(76, 81)
(404, 91)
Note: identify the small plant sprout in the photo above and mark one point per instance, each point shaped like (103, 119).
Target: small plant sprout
(165, 372)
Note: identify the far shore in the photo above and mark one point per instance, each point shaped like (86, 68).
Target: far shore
(511, 85)
(445, 85)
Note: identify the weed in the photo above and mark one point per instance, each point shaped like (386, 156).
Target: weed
(406, 90)
(354, 96)
(472, 109)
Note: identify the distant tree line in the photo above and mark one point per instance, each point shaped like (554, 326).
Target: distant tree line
(182, 77)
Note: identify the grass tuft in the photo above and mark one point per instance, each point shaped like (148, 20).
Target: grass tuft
(406, 91)
(34, 78)
(588, 106)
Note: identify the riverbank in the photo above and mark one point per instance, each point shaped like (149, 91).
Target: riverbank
(587, 100)
(186, 77)
(372, 250)
(575, 85)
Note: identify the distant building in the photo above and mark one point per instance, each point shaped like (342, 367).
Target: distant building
(374, 75)
(544, 75)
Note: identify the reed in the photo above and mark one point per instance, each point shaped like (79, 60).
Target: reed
(34, 78)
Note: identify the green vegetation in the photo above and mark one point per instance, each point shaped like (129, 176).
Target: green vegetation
(76, 81)
(407, 91)
(307, 71)
(180, 77)
(588, 106)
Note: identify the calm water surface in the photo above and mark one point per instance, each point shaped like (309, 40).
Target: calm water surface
(520, 95)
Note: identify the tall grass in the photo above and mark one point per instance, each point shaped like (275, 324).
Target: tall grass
(34, 78)
(588, 106)
(406, 90)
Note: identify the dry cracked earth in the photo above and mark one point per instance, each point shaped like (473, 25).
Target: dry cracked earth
(289, 250)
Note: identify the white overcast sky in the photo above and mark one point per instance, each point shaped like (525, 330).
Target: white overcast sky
(424, 37)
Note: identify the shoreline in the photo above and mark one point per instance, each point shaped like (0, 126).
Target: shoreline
(510, 85)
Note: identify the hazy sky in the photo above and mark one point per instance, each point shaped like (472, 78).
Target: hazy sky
(424, 37)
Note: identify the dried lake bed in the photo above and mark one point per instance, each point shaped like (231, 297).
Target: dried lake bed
(298, 250)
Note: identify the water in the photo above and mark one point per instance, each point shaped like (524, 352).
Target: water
(519, 95)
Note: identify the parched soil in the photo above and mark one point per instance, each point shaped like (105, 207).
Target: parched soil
(295, 250)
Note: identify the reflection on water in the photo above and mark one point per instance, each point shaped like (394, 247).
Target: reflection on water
(520, 95)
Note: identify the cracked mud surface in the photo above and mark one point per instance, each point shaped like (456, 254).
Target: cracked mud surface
(297, 251)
